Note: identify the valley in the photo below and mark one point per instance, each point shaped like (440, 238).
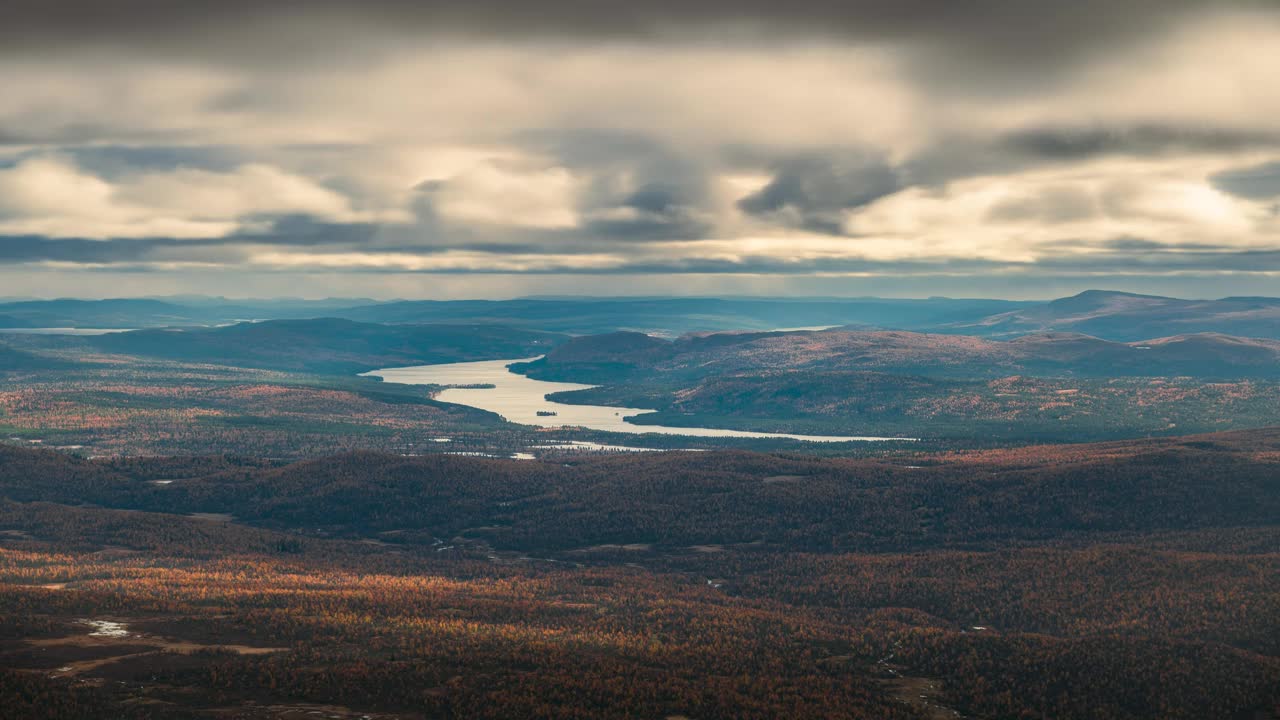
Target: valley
(489, 385)
(405, 588)
(661, 360)
(302, 518)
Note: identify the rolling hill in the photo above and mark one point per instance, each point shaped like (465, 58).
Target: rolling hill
(116, 313)
(328, 345)
(1117, 316)
(674, 316)
(679, 499)
(12, 359)
(1129, 317)
(1037, 388)
(614, 357)
(1124, 581)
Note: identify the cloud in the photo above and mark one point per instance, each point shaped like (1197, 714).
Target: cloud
(1101, 262)
(650, 212)
(1257, 182)
(114, 161)
(249, 190)
(817, 193)
(989, 33)
(1067, 143)
(567, 188)
(1054, 205)
(286, 231)
(1003, 152)
(1018, 216)
(638, 187)
(505, 194)
(750, 139)
(52, 196)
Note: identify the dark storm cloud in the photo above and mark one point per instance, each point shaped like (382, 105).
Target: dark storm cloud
(620, 160)
(1135, 255)
(1134, 263)
(652, 212)
(302, 230)
(958, 157)
(635, 189)
(596, 147)
(291, 231)
(638, 189)
(36, 248)
(1056, 205)
(62, 132)
(1168, 259)
(813, 193)
(1117, 256)
(49, 125)
(1043, 32)
(1259, 182)
(112, 161)
(1134, 245)
(1066, 143)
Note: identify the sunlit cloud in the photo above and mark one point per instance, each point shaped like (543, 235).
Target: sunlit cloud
(856, 142)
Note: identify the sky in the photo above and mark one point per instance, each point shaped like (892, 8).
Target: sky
(498, 148)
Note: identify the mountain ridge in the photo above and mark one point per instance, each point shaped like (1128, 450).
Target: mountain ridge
(328, 345)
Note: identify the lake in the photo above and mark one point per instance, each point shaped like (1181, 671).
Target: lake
(518, 399)
(63, 331)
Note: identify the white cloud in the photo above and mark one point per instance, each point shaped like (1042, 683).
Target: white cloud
(1214, 72)
(450, 261)
(446, 93)
(505, 194)
(350, 141)
(49, 195)
(1009, 218)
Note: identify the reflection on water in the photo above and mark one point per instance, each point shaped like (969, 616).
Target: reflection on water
(63, 331)
(594, 447)
(106, 628)
(519, 399)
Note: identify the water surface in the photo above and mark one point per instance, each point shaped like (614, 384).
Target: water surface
(518, 399)
(62, 331)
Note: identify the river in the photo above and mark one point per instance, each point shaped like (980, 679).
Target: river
(518, 399)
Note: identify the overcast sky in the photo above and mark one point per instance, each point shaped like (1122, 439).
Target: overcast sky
(494, 148)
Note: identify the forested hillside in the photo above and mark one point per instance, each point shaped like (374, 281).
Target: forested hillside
(619, 356)
(1037, 388)
(329, 345)
(1115, 581)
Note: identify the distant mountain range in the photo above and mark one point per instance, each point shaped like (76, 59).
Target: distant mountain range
(130, 313)
(1048, 386)
(328, 345)
(1129, 317)
(666, 316)
(1115, 316)
(618, 357)
(676, 316)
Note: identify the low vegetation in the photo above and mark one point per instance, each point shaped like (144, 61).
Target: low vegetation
(1125, 580)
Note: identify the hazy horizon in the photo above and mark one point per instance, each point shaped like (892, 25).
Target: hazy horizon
(178, 297)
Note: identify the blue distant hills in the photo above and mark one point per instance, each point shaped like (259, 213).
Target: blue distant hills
(1108, 315)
